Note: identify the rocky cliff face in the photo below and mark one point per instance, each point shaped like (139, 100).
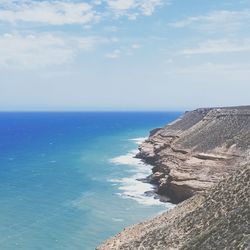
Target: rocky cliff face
(215, 219)
(195, 151)
(205, 152)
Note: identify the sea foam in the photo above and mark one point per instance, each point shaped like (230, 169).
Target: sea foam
(138, 140)
(131, 187)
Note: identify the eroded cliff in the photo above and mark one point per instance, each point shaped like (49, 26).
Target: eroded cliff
(197, 150)
(202, 158)
(215, 219)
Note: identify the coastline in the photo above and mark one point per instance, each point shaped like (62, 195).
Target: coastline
(198, 161)
(137, 186)
(195, 151)
(217, 219)
(67, 167)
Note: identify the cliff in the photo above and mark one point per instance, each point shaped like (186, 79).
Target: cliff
(215, 219)
(194, 152)
(201, 160)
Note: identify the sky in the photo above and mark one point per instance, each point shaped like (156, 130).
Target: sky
(123, 54)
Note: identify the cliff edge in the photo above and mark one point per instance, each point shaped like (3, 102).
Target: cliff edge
(215, 219)
(197, 150)
(203, 161)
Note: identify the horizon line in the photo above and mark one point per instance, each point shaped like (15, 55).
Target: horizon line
(77, 110)
(91, 111)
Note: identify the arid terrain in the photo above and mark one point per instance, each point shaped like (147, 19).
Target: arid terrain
(197, 150)
(216, 219)
(201, 161)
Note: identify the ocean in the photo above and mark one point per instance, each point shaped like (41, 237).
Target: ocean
(68, 180)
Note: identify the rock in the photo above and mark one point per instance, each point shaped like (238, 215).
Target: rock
(199, 161)
(215, 219)
(155, 177)
(154, 131)
(196, 150)
(163, 184)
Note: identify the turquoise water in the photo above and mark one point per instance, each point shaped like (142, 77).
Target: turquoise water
(68, 180)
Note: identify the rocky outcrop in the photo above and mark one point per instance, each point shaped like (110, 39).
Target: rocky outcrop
(215, 219)
(202, 158)
(194, 152)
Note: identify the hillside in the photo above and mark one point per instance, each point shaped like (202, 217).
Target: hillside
(202, 162)
(196, 150)
(216, 219)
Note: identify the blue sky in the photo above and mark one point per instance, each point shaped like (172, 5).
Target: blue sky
(124, 54)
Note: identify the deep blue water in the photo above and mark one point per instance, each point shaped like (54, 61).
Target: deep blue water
(67, 180)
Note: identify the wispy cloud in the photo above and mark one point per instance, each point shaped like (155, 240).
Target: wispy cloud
(121, 5)
(216, 21)
(123, 51)
(23, 48)
(114, 54)
(42, 50)
(219, 46)
(54, 13)
(66, 12)
(134, 8)
(213, 69)
(135, 46)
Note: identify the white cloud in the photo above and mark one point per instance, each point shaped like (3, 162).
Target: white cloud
(111, 29)
(36, 51)
(129, 51)
(216, 21)
(169, 61)
(121, 5)
(135, 46)
(66, 12)
(148, 7)
(133, 8)
(219, 46)
(241, 70)
(114, 54)
(54, 13)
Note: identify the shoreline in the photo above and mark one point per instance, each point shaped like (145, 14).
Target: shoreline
(200, 161)
(195, 151)
(213, 220)
(137, 186)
